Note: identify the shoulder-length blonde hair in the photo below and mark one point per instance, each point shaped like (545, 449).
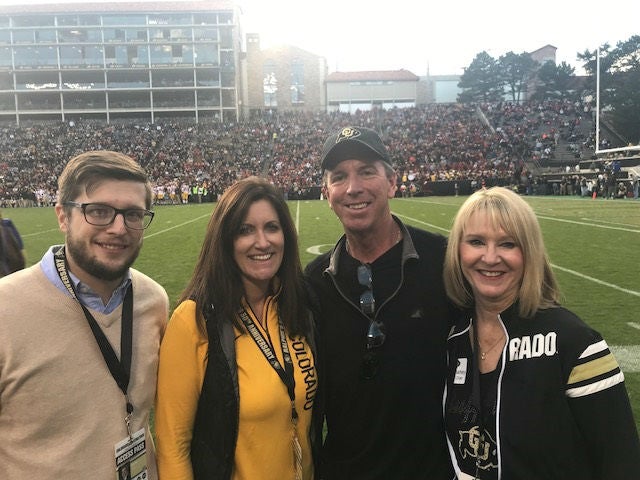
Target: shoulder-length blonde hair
(217, 278)
(507, 210)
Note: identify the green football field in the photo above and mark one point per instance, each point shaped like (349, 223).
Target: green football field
(593, 245)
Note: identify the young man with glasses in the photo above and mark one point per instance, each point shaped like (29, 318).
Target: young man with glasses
(383, 319)
(80, 333)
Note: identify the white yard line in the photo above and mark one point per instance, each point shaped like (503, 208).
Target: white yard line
(595, 280)
(588, 224)
(566, 270)
(628, 357)
(159, 232)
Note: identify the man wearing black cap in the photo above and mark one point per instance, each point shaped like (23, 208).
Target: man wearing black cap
(383, 319)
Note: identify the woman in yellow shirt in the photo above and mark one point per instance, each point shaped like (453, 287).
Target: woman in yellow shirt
(237, 376)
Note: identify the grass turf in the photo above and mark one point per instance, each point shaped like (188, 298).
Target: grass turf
(592, 244)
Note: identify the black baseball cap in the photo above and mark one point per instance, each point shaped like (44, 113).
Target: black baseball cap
(358, 143)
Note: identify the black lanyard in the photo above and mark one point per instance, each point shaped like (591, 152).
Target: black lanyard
(286, 373)
(120, 369)
(476, 397)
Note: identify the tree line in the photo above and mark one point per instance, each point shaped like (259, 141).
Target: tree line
(516, 77)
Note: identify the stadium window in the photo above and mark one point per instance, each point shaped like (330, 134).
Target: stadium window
(180, 19)
(228, 79)
(297, 81)
(6, 81)
(228, 98)
(23, 36)
(67, 20)
(206, 56)
(187, 54)
(93, 55)
(161, 54)
(70, 56)
(226, 39)
(208, 98)
(208, 77)
(124, 19)
(180, 34)
(88, 20)
(226, 60)
(72, 35)
(155, 34)
(157, 20)
(205, 19)
(33, 21)
(134, 34)
(45, 36)
(270, 85)
(132, 54)
(94, 36)
(225, 18)
(5, 57)
(121, 55)
(206, 34)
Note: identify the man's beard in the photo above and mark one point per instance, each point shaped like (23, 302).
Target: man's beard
(79, 252)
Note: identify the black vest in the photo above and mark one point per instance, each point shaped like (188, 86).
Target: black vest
(215, 430)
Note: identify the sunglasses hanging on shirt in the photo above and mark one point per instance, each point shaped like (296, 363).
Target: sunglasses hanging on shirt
(375, 334)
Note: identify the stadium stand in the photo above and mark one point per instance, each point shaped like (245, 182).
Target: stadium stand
(437, 149)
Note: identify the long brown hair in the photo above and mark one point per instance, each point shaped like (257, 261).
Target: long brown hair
(217, 280)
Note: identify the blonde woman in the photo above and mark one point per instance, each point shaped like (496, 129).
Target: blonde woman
(532, 391)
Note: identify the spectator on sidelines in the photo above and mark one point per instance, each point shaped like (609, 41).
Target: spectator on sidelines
(80, 335)
(635, 181)
(12, 256)
(382, 322)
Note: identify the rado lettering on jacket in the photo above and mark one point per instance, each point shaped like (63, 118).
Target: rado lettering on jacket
(532, 346)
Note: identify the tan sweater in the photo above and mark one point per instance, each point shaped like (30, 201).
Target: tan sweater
(61, 411)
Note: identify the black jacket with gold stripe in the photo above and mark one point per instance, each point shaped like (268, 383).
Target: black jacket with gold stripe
(560, 409)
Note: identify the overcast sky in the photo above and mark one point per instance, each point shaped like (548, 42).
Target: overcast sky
(441, 37)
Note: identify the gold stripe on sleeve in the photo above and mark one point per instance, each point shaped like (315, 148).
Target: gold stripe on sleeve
(593, 369)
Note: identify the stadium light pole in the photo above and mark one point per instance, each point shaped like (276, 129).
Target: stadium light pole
(597, 100)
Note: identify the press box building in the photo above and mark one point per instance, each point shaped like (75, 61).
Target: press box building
(352, 91)
(110, 61)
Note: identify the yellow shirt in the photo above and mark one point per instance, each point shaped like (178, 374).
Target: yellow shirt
(264, 448)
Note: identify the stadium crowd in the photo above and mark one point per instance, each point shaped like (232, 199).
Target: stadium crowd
(485, 144)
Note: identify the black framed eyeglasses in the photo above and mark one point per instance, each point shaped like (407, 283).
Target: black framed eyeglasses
(101, 215)
(375, 334)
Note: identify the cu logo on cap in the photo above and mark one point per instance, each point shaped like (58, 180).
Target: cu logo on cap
(348, 133)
